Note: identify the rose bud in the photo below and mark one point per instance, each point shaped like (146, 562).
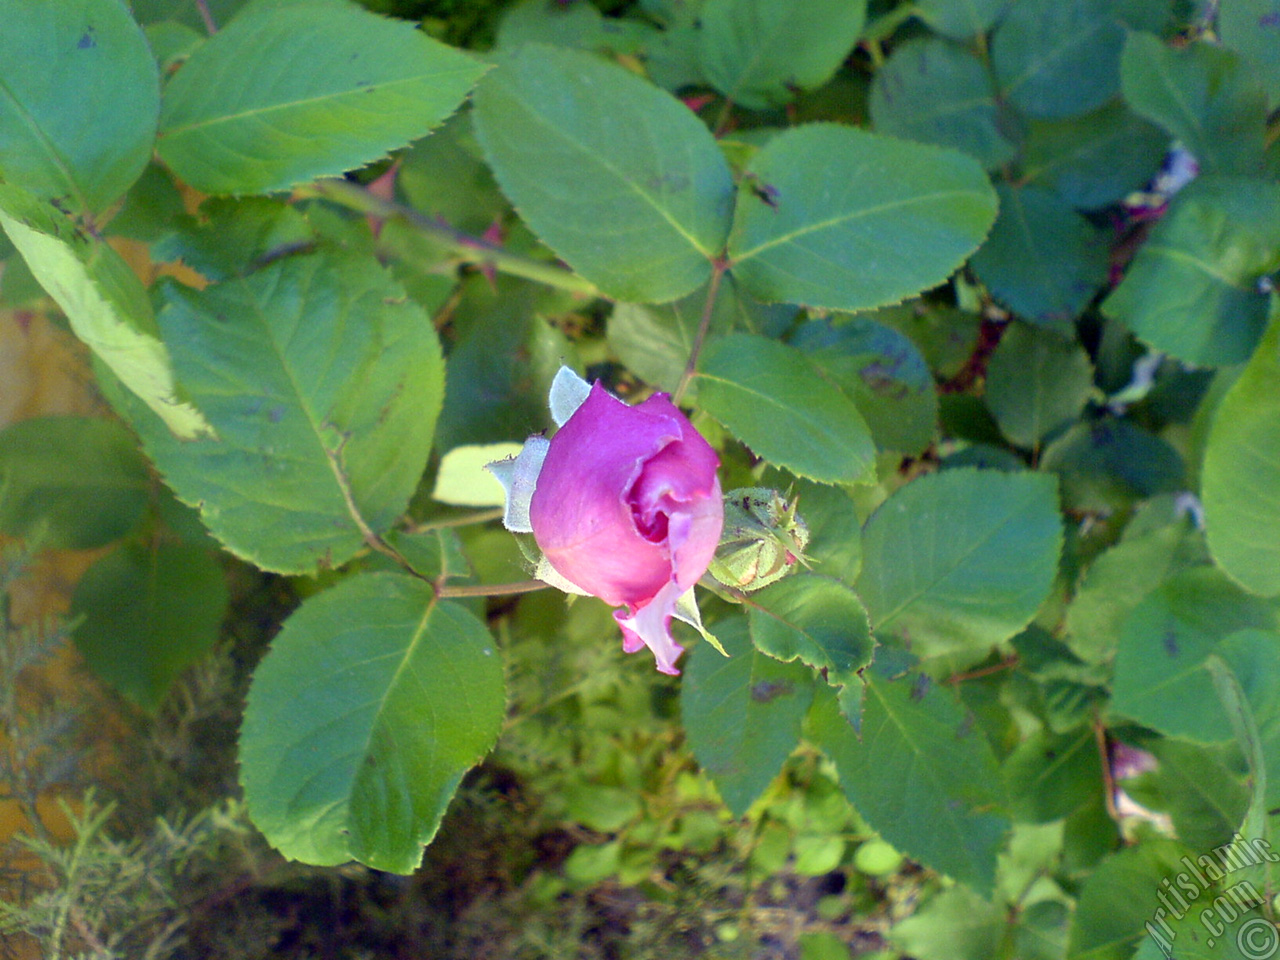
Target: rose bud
(625, 506)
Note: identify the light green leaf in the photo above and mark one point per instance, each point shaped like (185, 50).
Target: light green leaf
(883, 373)
(70, 482)
(920, 775)
(832, 216)
(1037, 381)
(742, 714)
(146, 613)
(814, 619)
(761, 53)
(1057, 58)
(938, 92)
(1240, 481)
(1254, 658)
(324, 383)
(1109, 918)
(1204, 95)
(1118, 580)
(1204, 793)
(961, 560)
(1094, 159)
(1252, 28)
(1193, 289)
(78, 100)
(1160, 680)
(372, 703)
(619, 178)
(340, 88)
(1043, 261)
(753, 385)
(955, 924)
(105, 304)
(463, 480)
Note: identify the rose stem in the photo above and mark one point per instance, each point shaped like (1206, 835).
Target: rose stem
(718, 268)
(483, 517)
(471, 249)
(490, 589)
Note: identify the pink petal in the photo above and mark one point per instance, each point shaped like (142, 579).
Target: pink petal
(649, 625)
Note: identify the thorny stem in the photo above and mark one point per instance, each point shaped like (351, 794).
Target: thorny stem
(468, 248)
(719, 267)
(722, 120)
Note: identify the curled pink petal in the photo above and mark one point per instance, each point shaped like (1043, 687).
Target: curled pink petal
(650, 626)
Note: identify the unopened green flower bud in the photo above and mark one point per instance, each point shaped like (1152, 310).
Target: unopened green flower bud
(762, 541)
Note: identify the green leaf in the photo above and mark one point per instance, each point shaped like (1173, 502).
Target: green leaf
(372, 703)
(1205, 96)
(882, 372)
(324, 384)
(1254, 658)
(753, 385)
(1193, 289)
(340, 88)
(1094, 159)
(1043, 261)
(920, 775)
(229, 238)
(1252, 29)
(619, 178)
(761, 53)
(742, 714)
(1240, 481)
(814, 619)
(146, 613)
(1050, 776)
(78, 101)
(1160, 680)
(1037, 382)
(1057, 58)
(70, 482)
(1203, 793)
(1109, 464)
(835, 532)
(836, 217)
(1118, 580)
(955, 924)
(1109, 918)
(961, 560)
(959, 19)
(938, 92)
(105, 304)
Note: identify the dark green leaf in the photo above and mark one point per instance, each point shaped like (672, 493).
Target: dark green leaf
(229, 237)
(836, 217)
(761, 53)
(813, 619)
(1240, 482)
(1051, 775)
(881, 371)
(752, 385)
(920, 775)
(340, 88)
(324, 384)
(742, 714)
(1110, 919)
(938, 92)
(1193, 289)
(78, 101)
(1043, 261)
(1202, 787)
(961, 560)
(373, 702)
(1207, 97)
(1037, 382)
(1109, 464)
(1095, 159)
(960, 19)
(1057, 58)
(617, 177)
(1160, 680)
(70, 482)
(147, 613)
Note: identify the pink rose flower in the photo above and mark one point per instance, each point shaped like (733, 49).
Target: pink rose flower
(625, 506)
